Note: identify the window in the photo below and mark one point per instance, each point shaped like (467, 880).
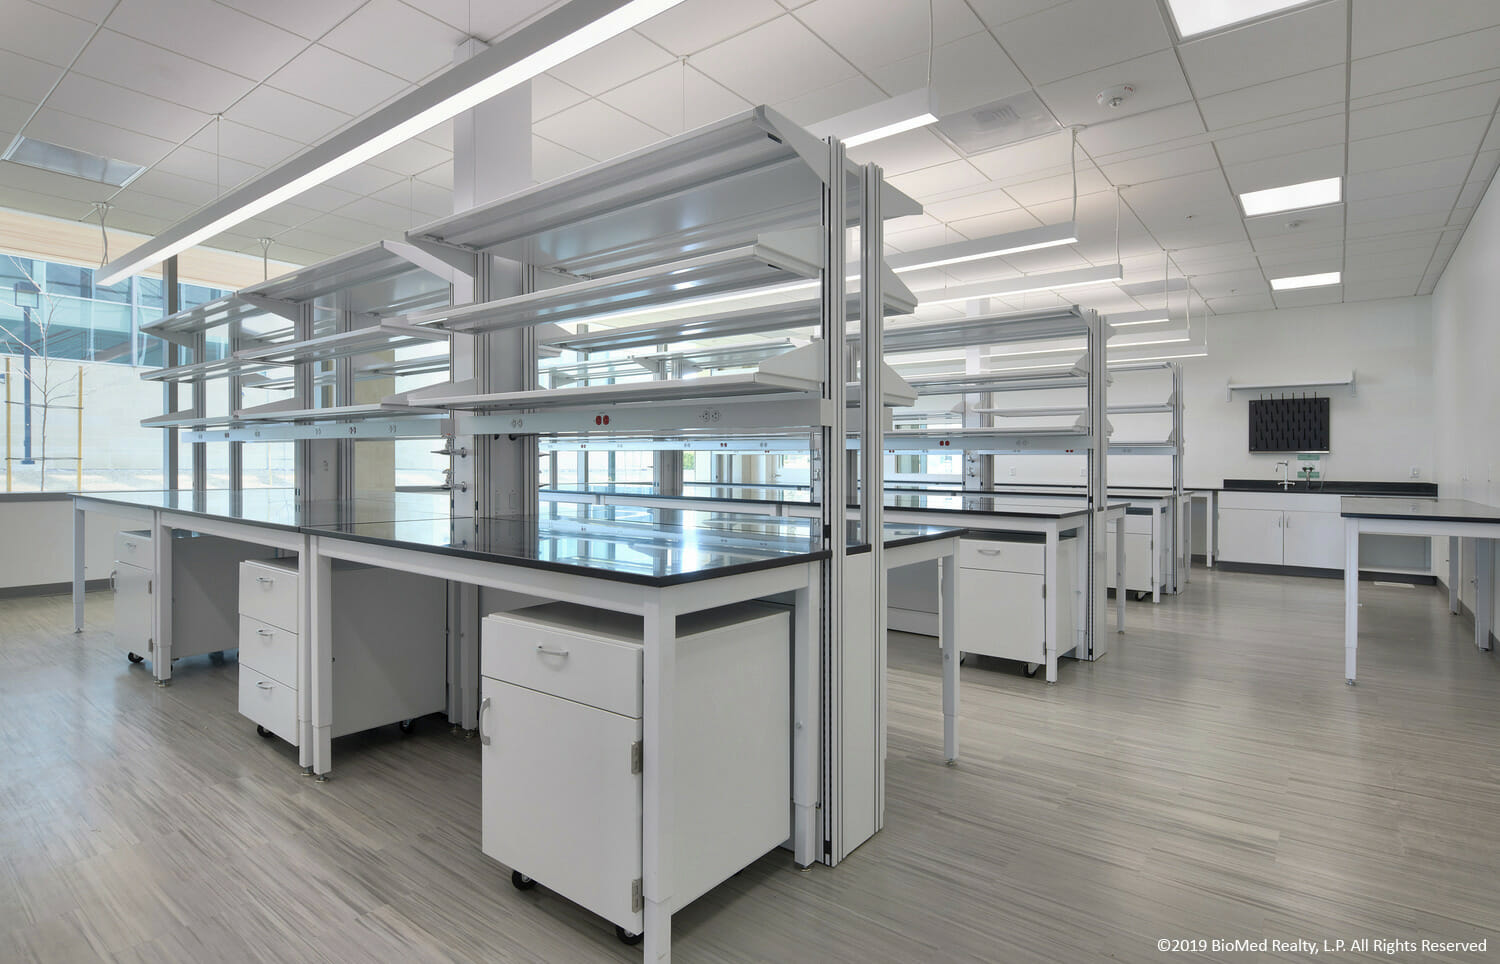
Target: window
(74, 340)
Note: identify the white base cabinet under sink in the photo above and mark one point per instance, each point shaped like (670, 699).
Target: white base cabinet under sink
(560, 728)
(1303, 530)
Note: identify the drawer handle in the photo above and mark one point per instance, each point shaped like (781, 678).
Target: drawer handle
(264, 685)
(264, 632)
(543, 650)
(990, 552)
(483, 739)
(265, 580)
(130, 546)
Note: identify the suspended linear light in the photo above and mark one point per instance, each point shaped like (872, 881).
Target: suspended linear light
(1294, 282)
(1075, 278)
(1127, 319)
(1031, 239)
(566, 32)
(904, 112)
(1198, 352)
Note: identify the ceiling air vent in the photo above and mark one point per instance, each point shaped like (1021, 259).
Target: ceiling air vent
(65, 160)
(999, 124)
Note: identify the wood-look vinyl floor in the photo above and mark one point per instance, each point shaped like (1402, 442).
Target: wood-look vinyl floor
(1211, 777)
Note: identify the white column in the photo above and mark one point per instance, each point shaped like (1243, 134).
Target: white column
(1351, 596)
(1484, 591)
(658, 800)
(948, 637)
(78, 574)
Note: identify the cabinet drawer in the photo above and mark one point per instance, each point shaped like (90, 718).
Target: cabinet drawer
(1005, 556)
(268, 592)
(605, 673)
(134, 548)
(269, 650)
(270, 703)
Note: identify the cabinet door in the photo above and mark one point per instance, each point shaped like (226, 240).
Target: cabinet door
(1313, 539)
(1002, 615)
(133, 609)
(559, 801)
(1250, 535)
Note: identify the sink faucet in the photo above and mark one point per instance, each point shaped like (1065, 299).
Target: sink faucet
(1286, 476)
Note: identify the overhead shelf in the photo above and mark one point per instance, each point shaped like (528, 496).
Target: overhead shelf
(800, 313)
(374, 279)
(186, 419)
(180, 328)
(711, 188)
(204, 371)
(1165, 408)
(283, 412)
(1335, 381)
(997, 329)
(709, 359)
(1051, 439)
(767, 263)
(382, 336)
(799, 370)
(1015, 381)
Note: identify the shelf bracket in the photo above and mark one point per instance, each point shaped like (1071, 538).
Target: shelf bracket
(289, 310)
(447, 261)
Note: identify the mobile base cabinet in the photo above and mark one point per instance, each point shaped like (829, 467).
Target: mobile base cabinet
(1003, 583)
(560, 728)
(389, 641)
(203, 587)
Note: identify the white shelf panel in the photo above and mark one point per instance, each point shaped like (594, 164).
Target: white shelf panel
(984, 330)
(385, 335)
(1019, 381)
(368, 280)
(714, 187)
(204, 371)
(1334, 381)
(765, 264)
(180, 328)
(274, 413)
(799, 313)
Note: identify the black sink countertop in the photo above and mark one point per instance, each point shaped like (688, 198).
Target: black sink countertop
(1426, 490)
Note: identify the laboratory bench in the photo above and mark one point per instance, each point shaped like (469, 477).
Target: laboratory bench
(1457, 519)
(666, 571)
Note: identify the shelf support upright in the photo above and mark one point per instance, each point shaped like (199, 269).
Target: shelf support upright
(1182, 555)
(171, 358)
(872, 449)
(834, 496)
(1098, 489)
(317, 459)
(491, 159)
(979, 467)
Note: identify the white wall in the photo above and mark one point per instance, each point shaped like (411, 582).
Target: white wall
(1467, 344)
(1378, 434)
(36, 548)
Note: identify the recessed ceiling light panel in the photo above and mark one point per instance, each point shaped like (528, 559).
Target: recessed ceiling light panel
(1292, 197)
(1194, 17)
(65, 160)
(1306, 281)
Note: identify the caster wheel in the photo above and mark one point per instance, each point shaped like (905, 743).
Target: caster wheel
(626, 937)
(265, 733)
(1032, 670)
(134, 658)
(405, 726)
(520, 881)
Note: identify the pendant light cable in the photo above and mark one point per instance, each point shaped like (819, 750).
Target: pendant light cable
(101, 208)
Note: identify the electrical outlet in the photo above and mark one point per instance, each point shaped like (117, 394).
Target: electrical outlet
(1416, 472)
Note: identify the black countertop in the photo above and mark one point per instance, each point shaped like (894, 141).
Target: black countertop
(1423, 510)
(656, 547)
(1420, 490)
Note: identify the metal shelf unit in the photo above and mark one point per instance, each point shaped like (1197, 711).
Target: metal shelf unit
(1085, 431)
(355, 293)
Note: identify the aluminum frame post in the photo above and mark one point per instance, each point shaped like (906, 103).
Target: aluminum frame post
(833, 496)
(872, 449)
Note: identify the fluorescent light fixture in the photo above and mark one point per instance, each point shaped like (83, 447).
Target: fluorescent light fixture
(1031, 239)
(65, 160)
(1128, 319)
(1308, 194)
(1077, 277)
(1305, 281)
(902, 113)
(1201, 16)
(532, 50)
(1198, 353)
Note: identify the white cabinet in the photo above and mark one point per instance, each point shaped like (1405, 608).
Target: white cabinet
(1001, 583)
(1313, 540)
(560, 727)
(1140, 544)
(389, 647)
(1250, 536)
(204, 619)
